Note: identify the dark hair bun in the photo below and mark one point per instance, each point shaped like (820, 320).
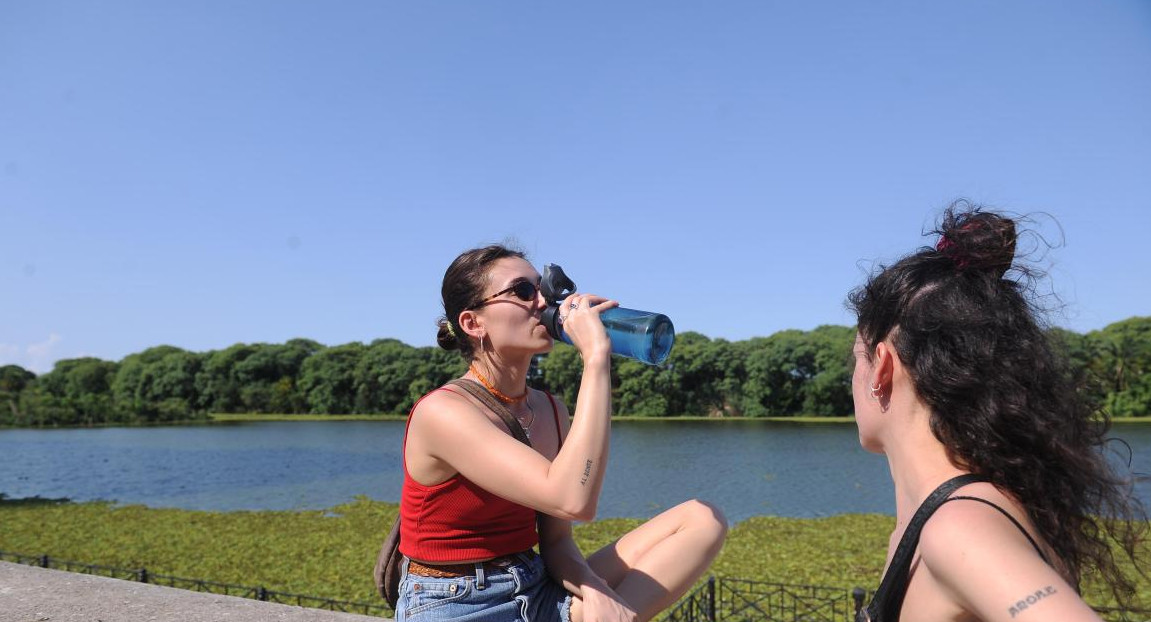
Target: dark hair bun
(976, 240)
(444, 336)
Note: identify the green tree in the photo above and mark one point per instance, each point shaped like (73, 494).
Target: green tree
(77, 391)
(13, 380)
(643, 390)
(1125, 364)
(158, 384)
(218, 386)
(693, 373)
(328, 379)
(267, 376)
(777, 368)
(437, 366)
(384, 375)
(561, 371)
(828, 389)
(1083, 354)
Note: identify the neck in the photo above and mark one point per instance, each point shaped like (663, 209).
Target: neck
(508, 377)
(918, 461)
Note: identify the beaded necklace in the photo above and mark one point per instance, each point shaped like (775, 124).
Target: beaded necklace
(507, 399)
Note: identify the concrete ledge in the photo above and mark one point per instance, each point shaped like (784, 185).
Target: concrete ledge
(30, 594)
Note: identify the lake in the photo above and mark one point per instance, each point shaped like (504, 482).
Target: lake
(746, 467)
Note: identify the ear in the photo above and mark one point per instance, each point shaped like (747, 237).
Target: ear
(883, 370)
(472, 324)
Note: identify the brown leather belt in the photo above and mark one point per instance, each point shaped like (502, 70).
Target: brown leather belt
(452, 571)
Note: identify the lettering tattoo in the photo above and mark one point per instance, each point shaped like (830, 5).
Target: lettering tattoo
(1030, 600)
(586, 473)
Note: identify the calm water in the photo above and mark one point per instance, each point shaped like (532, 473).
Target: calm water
(748, 468)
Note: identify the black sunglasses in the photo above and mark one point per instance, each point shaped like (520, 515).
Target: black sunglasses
(524, 290)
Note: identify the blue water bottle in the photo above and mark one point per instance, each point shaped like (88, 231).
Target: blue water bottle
(642, 335)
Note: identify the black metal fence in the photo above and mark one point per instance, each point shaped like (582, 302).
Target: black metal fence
(720, 599)
(143, 575)
(741, 600)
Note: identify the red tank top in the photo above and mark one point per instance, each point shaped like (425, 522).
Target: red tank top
(457, 520)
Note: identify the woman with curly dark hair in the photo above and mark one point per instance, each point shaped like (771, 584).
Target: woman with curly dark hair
(1004, 497)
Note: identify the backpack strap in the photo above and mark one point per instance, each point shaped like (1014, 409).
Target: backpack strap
(483, 395)
(888, 599)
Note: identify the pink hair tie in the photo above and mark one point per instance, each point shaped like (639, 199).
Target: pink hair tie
(949, 248)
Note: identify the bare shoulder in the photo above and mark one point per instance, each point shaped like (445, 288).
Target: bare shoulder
(968, 543)
(964, 529)
(443, 406)
(983, 563)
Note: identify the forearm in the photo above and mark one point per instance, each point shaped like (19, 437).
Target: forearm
(567, 565)
(578, 469)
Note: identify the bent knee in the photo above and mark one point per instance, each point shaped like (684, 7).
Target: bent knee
(705, 514)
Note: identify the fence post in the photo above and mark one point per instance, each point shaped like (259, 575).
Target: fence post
(45, 562)
(858, 594)
(711, 598)
(142, 575)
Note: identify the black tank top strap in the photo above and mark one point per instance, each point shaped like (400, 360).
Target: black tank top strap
(1010, 518)
(888, 599)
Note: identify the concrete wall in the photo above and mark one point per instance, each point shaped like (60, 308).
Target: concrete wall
(30, 594)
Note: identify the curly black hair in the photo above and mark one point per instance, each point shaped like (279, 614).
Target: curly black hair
(1003, 399)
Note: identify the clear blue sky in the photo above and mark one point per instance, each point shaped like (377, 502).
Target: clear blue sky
(205, 173)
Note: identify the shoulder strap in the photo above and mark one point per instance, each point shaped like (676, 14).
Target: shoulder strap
(556, 416)
(888, 600)
(489, 400)
(1010, 518)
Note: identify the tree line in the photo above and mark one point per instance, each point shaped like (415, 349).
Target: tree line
(789, 373)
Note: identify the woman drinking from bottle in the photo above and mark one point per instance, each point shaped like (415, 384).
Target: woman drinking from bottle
(1004, 498)
(472, 492)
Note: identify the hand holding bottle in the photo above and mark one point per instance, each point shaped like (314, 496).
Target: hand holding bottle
(641, 335)
(580, 316)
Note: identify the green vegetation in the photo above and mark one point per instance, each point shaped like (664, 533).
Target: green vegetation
(787, 374)
(331, 553)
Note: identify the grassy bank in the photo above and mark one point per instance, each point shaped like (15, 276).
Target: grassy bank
(331, 553)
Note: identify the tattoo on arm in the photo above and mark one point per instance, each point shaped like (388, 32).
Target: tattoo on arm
(586, 473)
(1030, 600)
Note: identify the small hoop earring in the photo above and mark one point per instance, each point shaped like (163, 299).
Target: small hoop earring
(876, 392)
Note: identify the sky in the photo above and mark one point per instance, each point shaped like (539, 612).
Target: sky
(200, 174)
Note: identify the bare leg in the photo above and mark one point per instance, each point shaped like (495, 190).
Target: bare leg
(652, 566)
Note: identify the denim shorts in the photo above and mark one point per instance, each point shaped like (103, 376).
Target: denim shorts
(521, 592)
